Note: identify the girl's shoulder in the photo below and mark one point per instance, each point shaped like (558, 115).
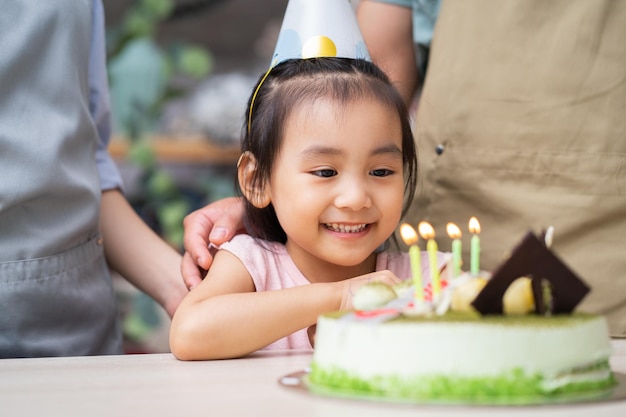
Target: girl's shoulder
(268, 263)
(249, 248)
(247, 241)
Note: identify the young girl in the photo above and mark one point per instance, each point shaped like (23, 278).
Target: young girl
(328, 168)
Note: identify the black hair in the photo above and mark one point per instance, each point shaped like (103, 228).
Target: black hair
(297, 81)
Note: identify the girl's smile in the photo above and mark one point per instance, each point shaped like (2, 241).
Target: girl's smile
(346, 228)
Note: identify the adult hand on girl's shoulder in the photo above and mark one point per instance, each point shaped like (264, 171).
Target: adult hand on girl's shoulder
(215, 223)
(351, 286)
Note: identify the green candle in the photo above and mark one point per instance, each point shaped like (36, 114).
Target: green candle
(475, 255)
(409, 236)
(474, 228)
(456, 257)
(455, 234)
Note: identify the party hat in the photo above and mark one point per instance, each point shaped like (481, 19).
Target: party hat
(319, 28)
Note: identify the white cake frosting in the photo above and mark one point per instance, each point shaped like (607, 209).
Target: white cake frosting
(556, 353)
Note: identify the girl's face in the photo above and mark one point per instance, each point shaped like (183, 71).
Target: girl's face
(337, 183)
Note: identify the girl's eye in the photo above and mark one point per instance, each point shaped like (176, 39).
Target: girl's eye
(325, 173)
(381, 172)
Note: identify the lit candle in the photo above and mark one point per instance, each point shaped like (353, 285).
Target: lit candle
(409, 236)
(474, 228)
(427, 232)
(455, 234)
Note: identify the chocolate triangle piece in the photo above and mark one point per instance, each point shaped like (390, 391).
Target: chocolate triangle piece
(537, 287)
(532, 258)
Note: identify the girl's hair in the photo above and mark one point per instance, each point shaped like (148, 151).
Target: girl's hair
(299, 81)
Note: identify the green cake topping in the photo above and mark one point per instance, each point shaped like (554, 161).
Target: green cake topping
(514, 387)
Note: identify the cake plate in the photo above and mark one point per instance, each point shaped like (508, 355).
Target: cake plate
(298, 381)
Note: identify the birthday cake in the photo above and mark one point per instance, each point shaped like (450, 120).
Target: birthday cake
(473, 354)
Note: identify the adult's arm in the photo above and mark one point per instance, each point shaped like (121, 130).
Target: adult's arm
(388, 33)
(138, 254)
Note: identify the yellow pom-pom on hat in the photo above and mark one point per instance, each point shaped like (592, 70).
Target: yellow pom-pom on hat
(318, 46)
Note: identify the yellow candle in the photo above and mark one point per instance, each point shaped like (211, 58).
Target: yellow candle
(455, 234)
(409, 236)
(474, 228)
(427, 232)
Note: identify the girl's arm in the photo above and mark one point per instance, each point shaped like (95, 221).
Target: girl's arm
(225, 318)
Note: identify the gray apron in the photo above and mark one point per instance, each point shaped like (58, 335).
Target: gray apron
(522, 123)
(56, 296)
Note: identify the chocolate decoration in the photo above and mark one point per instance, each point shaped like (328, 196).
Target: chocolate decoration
(537, 287)
(533, 259)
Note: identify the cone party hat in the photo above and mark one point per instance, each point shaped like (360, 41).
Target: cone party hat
(319, 28)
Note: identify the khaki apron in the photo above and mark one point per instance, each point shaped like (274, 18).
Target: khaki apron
(56, 297)
(522, 123)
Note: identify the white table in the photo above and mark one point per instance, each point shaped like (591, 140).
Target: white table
(160, 385)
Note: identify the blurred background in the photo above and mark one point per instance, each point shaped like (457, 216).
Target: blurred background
(180, 74)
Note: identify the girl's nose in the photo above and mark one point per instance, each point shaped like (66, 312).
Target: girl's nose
(354, 195)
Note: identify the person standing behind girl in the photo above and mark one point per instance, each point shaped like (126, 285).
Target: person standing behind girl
(328, 169)
(64, 220)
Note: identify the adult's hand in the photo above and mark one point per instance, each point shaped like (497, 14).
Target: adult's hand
(215, 223)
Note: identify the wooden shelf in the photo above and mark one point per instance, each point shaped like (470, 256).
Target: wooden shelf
(187, 149)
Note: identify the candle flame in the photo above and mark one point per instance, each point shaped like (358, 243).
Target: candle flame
(409, 235)
(453, 231)
(474, 226)
(426, 230)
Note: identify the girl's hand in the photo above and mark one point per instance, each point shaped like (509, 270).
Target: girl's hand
(350, 286)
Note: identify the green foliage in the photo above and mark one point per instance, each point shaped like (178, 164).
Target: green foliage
(142, 77)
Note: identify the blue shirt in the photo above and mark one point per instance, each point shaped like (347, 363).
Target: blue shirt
(99, 104)
(425, 14)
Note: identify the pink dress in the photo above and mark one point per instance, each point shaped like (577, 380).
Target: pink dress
(271, 268)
